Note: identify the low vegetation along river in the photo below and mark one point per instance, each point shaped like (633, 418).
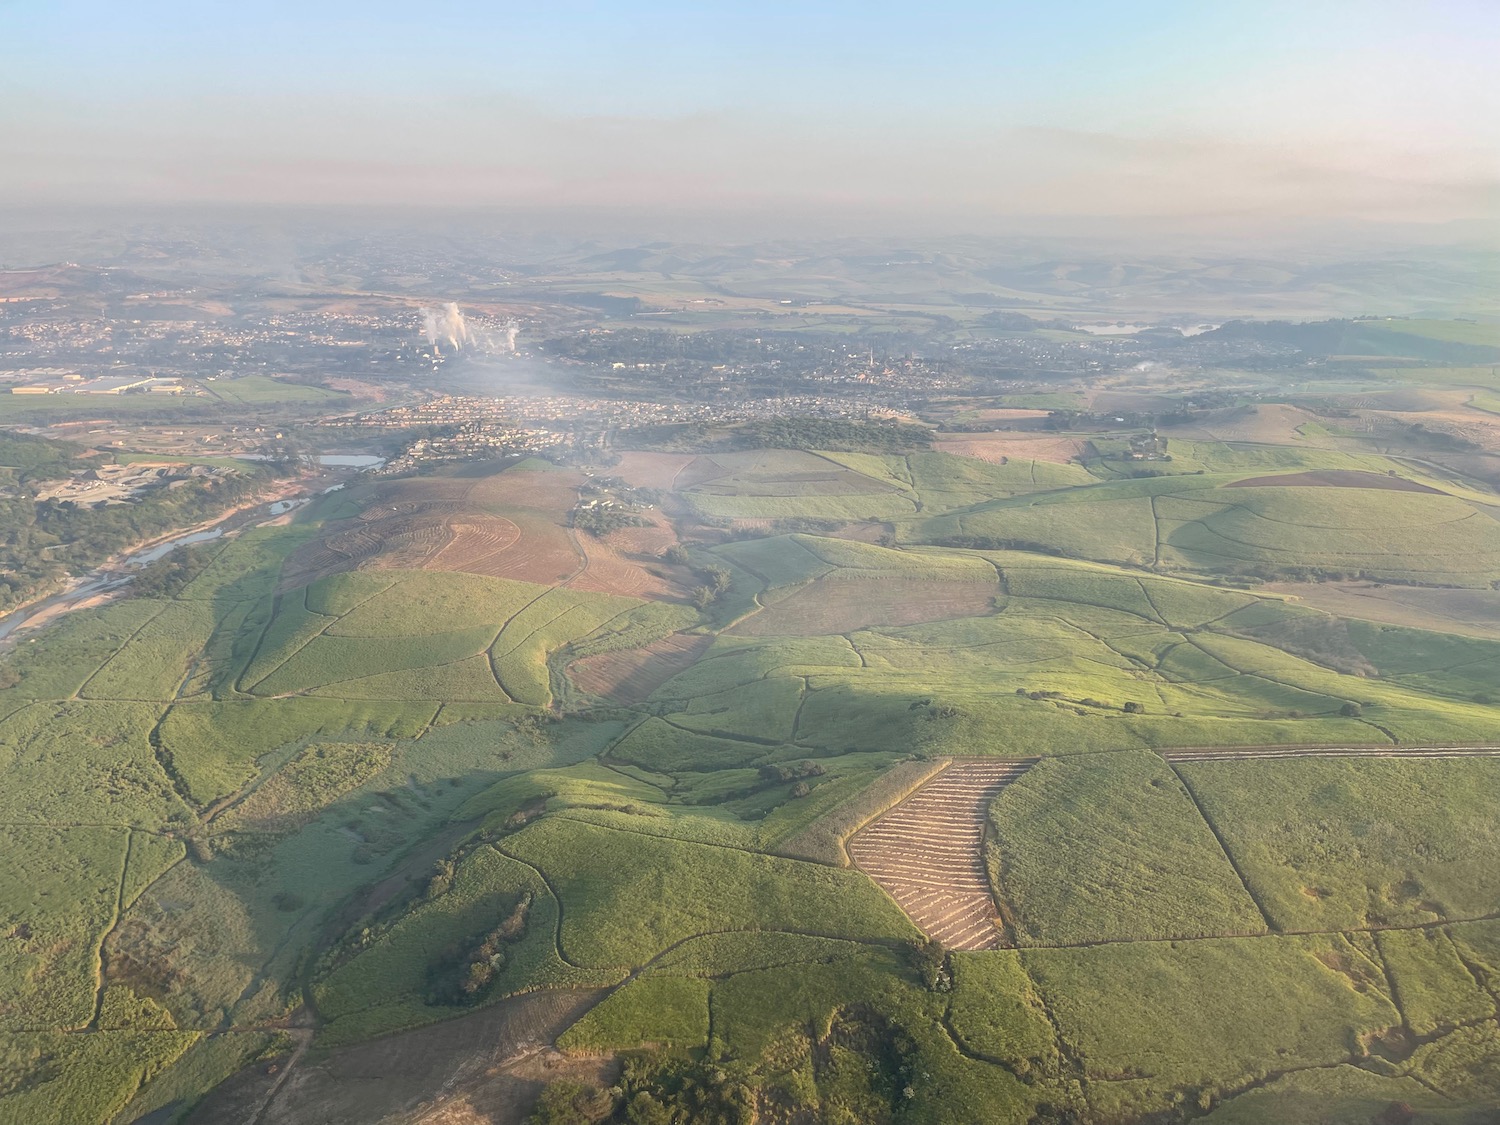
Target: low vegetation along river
(119, 571)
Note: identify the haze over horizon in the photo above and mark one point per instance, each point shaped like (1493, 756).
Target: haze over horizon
(1243, 116)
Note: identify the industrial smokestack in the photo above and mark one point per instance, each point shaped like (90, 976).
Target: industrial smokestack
(446, 325)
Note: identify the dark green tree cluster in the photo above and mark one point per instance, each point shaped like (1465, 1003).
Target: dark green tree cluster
(167, 576)
(653, 1090)
(464, 971)
(716, 584)
(43, 542)
(601, 521)
(839, 434)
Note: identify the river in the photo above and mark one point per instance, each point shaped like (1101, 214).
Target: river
(118, 571)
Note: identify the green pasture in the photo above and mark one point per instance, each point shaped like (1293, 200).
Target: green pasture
(1335, 843)
(1139, 859)
(260, 390)
(241, 796)
(1192, 524)
(1135, 1014)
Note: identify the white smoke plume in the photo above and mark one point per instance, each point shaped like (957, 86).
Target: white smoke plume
(446, 326)
(511, 330)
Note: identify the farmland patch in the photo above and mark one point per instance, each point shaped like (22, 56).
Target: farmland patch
(845, 604)
(487, 520)
(1135, 1014)
(1000, 447)
(1109, 847)
(1359, 841)
(632, 675)
(926, 853)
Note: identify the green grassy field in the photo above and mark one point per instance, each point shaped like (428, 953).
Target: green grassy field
(1135, 1015)
(258, 390)
(1341, 843)
(1140, 860)
(377, 801)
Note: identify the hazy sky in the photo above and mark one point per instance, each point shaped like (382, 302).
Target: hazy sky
(960, 112)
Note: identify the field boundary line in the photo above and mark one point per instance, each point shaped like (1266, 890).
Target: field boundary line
(566, 814)
(1065, 1050)
(64, 825)
(239, 685)
(1155, 537)
(802, 698)
(1160, 616)
(1485, 988)
(638, 780)
(78, 694)
(885, 485)
(119, 912)
(1284, 750)
(332, 621)
(557, 928)
(163, 759)
(1223, 846)
(1393, 989)
(489, 649)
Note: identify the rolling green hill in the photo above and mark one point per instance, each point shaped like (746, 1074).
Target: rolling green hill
(382, 800)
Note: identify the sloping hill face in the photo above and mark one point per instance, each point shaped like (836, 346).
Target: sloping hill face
(490, 520)
(1420, 536)
(505, 523)
(1333, 521)
(417, 786)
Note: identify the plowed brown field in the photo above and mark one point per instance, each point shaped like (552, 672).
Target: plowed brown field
(632, 675)
(927, 854)
(507, 524)
(1015, 446)
(651, 470)
(841, 605)
(629, 562)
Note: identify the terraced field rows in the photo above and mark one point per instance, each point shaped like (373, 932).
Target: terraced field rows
(1256, 753)
(927, 854)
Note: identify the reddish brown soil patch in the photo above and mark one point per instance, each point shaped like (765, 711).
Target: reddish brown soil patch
(507, 1097)
(1270, 423)
(811, 482)
(644, 542)
(501, 524)
(774, 472)
(475, 544)
(629, 562)
(1336, 478)
(1474, 613)
(927, 854)
(841, 605)
(1009, 415)
(404, 540)
(542, 551)
(609, 571)
(632, 675)
(862, 532)
(504, 525)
